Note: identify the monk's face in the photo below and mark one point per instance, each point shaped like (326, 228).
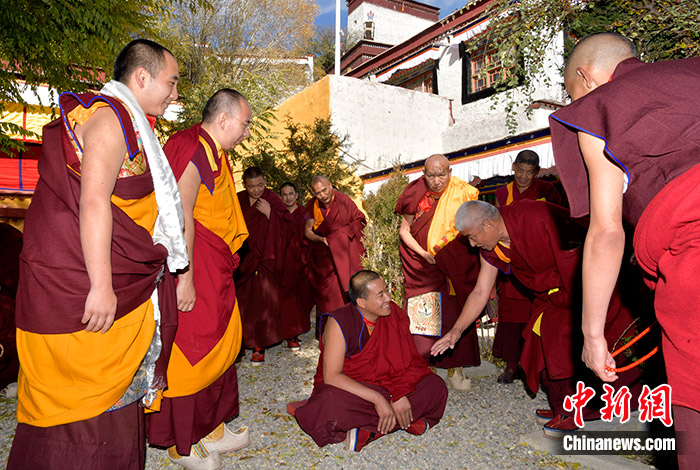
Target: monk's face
(236, 126)
(323, 191)
(482, 236)
(437, 176)
(378, 301)
(254, 187)
(159, 90)
(289, 196)
(524, 175)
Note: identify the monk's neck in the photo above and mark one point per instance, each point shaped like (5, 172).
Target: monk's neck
(369, 319)
(291, 209)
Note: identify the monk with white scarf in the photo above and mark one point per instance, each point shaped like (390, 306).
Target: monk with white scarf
(96, 308)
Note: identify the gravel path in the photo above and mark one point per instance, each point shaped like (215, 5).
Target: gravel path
(481, 429)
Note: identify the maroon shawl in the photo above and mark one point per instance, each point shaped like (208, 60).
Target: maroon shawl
(332, 266)
(388, 357)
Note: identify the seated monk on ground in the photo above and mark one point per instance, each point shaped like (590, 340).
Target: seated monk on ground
(530, 243)
(370, 379)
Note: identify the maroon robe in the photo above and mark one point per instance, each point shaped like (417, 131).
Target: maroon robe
(297, 299)
(648, 117)
(455, 262)
(330, 267)
(259, 275)
(54, 285)
(514, 300)
(183, 421)
(386, 361)
(542, 260)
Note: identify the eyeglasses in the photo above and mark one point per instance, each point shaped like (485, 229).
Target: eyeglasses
(246, 125)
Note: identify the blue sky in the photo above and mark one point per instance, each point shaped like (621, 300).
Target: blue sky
(327, 7)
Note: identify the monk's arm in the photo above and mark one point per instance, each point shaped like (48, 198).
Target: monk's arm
(103, 154)
(333, 360)
(310, 235)
(189, 188)
(472, 308)
(410, 242)
(602, 253)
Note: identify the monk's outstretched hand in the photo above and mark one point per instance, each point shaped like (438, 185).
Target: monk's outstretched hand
(596, 357)
(403, 411)
(428, 257)
(446, 342)
(387, 417)
(186, 293)
(100, 309)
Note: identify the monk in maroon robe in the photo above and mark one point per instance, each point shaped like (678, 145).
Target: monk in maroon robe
(514, 300)
(95, 299)
(443, 267)
(370, 379)
(533, 243)
(202, 378)
(297, 300)
(334, 227)
(630, 141)
(259, 276)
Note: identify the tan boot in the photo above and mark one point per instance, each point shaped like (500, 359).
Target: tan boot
(456, 380)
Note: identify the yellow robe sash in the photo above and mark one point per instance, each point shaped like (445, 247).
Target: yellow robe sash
(442, 227)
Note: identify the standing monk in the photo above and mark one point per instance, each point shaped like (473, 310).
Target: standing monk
(370, 379)
(514, 300)
(259, 276)
(202, 382)
(437, 265)
(96, 308)
(297, 300)
(334, 227)
(630, 140)
(531, 242)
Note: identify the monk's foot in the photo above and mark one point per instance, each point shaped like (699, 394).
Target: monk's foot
(294, 344)
(223, 440)
(200, 458)
(542, 416)
(357, 438)
(560, 426)
(418, 427)
(258, 356)
(456, 380)
(507, 376)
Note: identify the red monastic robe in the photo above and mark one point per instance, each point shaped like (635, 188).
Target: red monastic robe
(386, 360)
(330, 267)
(544, 263)
(514, 300)
(54, 349)
(259, 276)
(648, 120)
(297, 299)
(204, 391)
(455, 262)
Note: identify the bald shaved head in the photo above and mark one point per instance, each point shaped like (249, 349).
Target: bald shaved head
(593, 60)
(322, 189)
(482, 224)
(437, 173)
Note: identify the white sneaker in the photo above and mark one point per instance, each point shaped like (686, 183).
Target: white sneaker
(200, 458)
(231, 441)
(456, 379)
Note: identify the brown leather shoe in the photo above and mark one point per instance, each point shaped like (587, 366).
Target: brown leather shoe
(507, 376)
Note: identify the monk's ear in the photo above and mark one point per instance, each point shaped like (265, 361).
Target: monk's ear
(587, 77)
(361, 303)
(140, 76)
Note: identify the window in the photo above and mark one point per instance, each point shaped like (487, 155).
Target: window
(481, 71)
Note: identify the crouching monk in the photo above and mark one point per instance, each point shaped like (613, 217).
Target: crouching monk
(370, 379)
(530, 242)
(96, 311)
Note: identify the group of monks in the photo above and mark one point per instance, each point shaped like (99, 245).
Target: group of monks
(143, 271)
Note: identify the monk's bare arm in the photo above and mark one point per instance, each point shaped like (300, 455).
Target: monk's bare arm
(333, 360)
(189, 188)
(602, 254)
(472, 308)
(310, 235)
(103, 153)
(409, 241)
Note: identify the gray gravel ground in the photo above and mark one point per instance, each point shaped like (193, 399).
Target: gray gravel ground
(481, 429)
